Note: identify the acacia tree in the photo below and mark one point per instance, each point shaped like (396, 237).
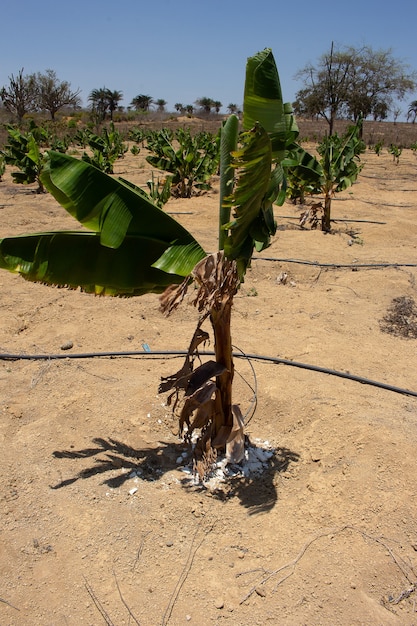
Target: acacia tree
(19, 97)
(377, 81)
(327, 86)
(352, 82)
(52, 94)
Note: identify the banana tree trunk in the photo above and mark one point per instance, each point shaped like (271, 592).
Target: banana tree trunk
(326, 214)
(207, 404)
(221, 323)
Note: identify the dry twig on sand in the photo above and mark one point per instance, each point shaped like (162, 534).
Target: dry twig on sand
(186, 569)
(406, 570)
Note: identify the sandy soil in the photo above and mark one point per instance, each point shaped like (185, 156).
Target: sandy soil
(99, 524)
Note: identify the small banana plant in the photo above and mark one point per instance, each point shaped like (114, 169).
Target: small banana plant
(159, 190)
(396, 152)
(106, 148)
(191, 160)
(2, 166)
(131, 247)
(336, 170)
(24, 152)
(378, 147)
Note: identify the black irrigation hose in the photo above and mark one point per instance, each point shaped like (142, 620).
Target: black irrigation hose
(335, 265)
(336, 219)
(238, 355)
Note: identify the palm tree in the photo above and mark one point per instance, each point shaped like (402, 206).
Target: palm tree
(161, 104)
(133, 247)
(113, 99)
(217, 105)
(205, 103)
(233, 109)
(412, 111)
(99, 102)
(141, 102)
(179, 107)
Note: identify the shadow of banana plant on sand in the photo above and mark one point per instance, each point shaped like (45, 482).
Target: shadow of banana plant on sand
(255, 492)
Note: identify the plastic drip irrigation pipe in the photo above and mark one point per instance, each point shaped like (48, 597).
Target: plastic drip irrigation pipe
(347, 265)
(237, 355)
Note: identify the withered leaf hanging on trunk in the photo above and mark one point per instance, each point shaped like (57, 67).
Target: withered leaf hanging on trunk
(217, 282)
(173, 295)
(180, 379)
(195, 401)
(202, 374)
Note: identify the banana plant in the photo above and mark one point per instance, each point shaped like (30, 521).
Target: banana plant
(23, 151)
(130, 247)
(2, 165)
(191, 160)
(106, 148)
(341, 166)
(337, 169)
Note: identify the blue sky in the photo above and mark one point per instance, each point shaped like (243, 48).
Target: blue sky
(183, 50)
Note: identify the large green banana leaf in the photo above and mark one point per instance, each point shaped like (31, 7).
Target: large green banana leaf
(77, 259)
(228, 144)
(107, 205)
(263, 103)
(129, 235)
(253, 222)
(304, 165)
(269, 133)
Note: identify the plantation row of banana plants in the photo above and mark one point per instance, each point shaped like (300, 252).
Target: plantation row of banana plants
(190, 162)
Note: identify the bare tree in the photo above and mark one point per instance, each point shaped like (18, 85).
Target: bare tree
(19, 97)
(52, 94)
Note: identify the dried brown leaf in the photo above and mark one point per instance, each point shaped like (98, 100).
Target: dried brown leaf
(203, 416)
(203, 374)
(199, 398)
(180, 379)
(173, 295)
(235, 446)
(205, 455)
(217, 282)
